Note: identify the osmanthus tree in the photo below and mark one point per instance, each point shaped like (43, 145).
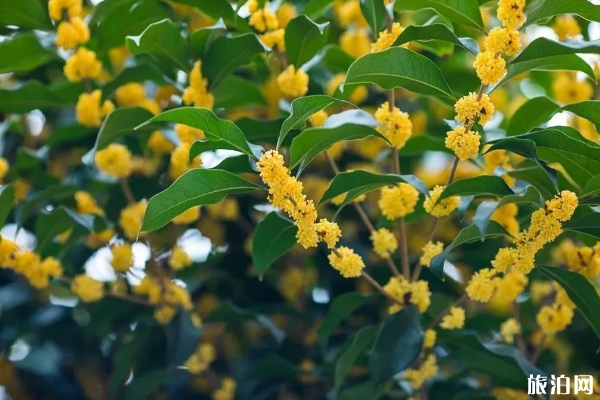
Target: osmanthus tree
(301, 199)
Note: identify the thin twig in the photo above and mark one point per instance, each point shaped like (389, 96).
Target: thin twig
(127, 191)
(441, 316)
(538, 351)
(453, 171)
(377, 286)
(519, 339)
(403, 248)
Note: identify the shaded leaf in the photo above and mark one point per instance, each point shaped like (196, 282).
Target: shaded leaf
(237, 165)
(230, 313)
(435, 32)
(356, 345)
(219, 9)
(121, 122)
(136, 73)
(532, 113)
(375, 13)
(489, 185)
(143, 386)
(237, 92)
(7, 198)
(545, 9)
(464, 12)
(23, 53)
(315, 8)
(274, 236)
(30, 96)
(60, 219)
(25, 14)
(336, 59)
(304, 38)
(182, 338)
(588, 224)
(201, 39)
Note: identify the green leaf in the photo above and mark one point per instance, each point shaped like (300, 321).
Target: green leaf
(399, 67)
(487, 185)
(545, 9)
(274, 236)
(375, 13)
(589, 110)
(469, 234)
(230, 313)
(29, 14)
(51, 223)
(304, 38)
(226, 54)
(341, 307)
(336, 59)
(531, 114)
(7, 198)
(417, 145)
(201, 38)
(505, 365)
(538, 178)
(237, 165)
(214, 127)
(218, 9)
(359, 182)
(23, 53)
(580, 291)
(592, 188)
(302, 109)
(260, 130)
(237, 92)
(121, 122)
(316, 8)
(435, 32)
(163, 42)
(141, 387)
(356, 345)
(182, 338)
(274, 366)
(194, 188)
(547, 55)
(398, 345)
(486, 208)
(30, 96)
(588, 224)
(308, 144)
(463, 12)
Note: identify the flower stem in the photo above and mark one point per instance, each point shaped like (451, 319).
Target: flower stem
(403, 248)
(127, 191)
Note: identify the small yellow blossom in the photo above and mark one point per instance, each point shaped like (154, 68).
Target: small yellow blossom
(188, 134)
(443, 207)
(318, 119)
(429, 340)
(179, 259)
(86, 204)
(510, 13)
(430, 250)
(566, 27)
(56, 8)
(180, 161)
(356, 42)
(99, 239)
(387, 38)
(89, 110)
(568, 89)
(263, 20)
(87, 289)
(4, 167)
(71, 33)
(455, 319)
(398, 201)
(428, 370)
(197, 93)
(470, 107)
(159, 144)
(292, 82)
(348, 263)
(349, 13)
(482, 285)
(82, 65)
(226, 391)
(502, 40)
(554, 318)
(329, 232)
(22, 187)
(490, 69)
(420, 295)
(384, 242)
(114, 160)
(465, 144)
(130, 94)
(509, 329)
(397, 127)
(416, 293)
(131, 219)
(204, 355)
(227, 209)
(285, 13)
(122, 257)
(274, 39)
(506, 215)
(359, 94)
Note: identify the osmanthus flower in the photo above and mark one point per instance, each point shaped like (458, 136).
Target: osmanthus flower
(329, 232)
(430, 250)
(455, 319)
(197, 93)
(71, 33)
(506, 215)
(86, 204)
(489, 67)
(508, 330)
(482, 284)
(387, 38)
(180, 160)
(584, 259)
(159, 144)
(554, 318)
(173, 298)
(82, 65)
(285, 13)
(416, 293)
(262, 19)
(429, 339)
(130, 219)
(359, 94)
(465, 144)
(114, 160)
(4, 167)
(226, 391)
(56, 8)
(150, 288)
(179, 258)
(384, 242)
(427, 370)
(568, 89)
(398, 201)
(90, 109)
(397, 127)
(511, 13)
(346, 262)
(122, 257)
(503, 41)
(349, 14)
(356, 42)
(87, 288)
(201, 359)
(225, 210)
(470, 109)
(274, 39)
(508, 288)
(566, 27)
(188, 134)
(29, 264)
(441, 208)
(318, 119)
(293, 82)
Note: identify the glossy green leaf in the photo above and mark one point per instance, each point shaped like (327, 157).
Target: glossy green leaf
(375, 13)
(360, 182)
(162, 40)
(302, 109)
(219, 9)
(30, 96)
(183, 338)
(7, 198)
(539, 178)
(274, 236)
(316, 8)
(194, 188)
(487, 185)
(214, 127)
(237, 92)
(201, 39)
(23, 53)
(237, 165)
(304, 38)
(232, 314)
(341, 307)
(260, 130)
(435, 32)
(121, 122)
(545, 9)
(589, 110)
(580, 291)
(26, 14)
(592, 188)
(142, 386)
(336, 59)
(419, 144)
(469, 234)
(360, 342)
(398, 344)
(226, 54)
(463, 12)
(531, 114)
(58, 220)
(402, 68)
(588, 224)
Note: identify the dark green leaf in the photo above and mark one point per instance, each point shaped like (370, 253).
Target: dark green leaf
(397, 346)
(274, 236)
(589, 110)
(304, 38)
(399, 67)
(237, 165)
(375, 13)
(30, 96)
(435, 32)
(336, 59)
(315, 8)
(194, 188)
(341, 308)
(357, 345)
(531, 114)
(464, 12)
(201, 146)
(182, 338)
(141, 387)
(237, 92)
(163, 42)
(274, 366)
(7, 198)
(201, 38)
(230, 313)
(545, 9)
(588, 224)
(260, 130)
(487, 185)
(219, 9)
(25, 14)
(121, 122)
(580, 291)
(592, 188)
(538, 178)
(23, 53)
(51, 223)
(417, 145)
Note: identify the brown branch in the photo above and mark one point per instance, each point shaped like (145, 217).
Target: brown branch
(453, 171)
(127, 191)
(379, 288)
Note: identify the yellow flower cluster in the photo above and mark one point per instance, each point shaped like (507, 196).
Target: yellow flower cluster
(554, 318)
(71, 33)
(201, 359)
(416, 293)
(384, 242)
(159, 144)
(469, 108)
(188, 134)
(226, 210)
(295, 282)
(503, 41)
(508, 288)
(546, 225)
(86, 204)
(465, 144)
(443, 207)
(568, 89)
(387, 38)
(359, 94)
(566, 27)
(179, 259)
(180, 160)
(226, 391)
(130, 219)
(427, 370)
(318, 119)
(87, 289)
(114, 160)
(122, 257)
(292, 82)
(28, 264)
(56, 8)
(355, 42)
(490, 68)
(497, 158)
(482, 285)
(429, 339)
(133, 94)
(430, 250)
(506, 215)
(511, 13)
(4, 167)
(398, 201)
(197, 93)
(82, 65)
(348, 13)
(90, 109)
(397, 127)
(584, 260)
(347, 263)
(508, 330)
(267, 23)
(285, 192)
(455, 319)
(169, 296)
